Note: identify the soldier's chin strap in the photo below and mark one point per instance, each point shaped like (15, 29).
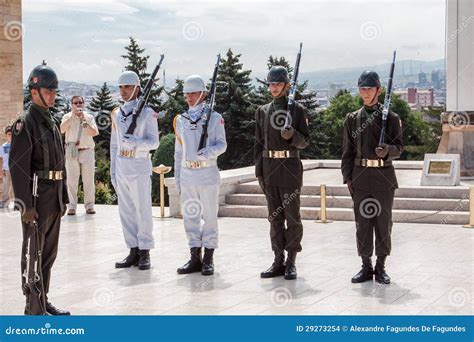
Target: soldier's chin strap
(283, 90)
(132, 93)
(199, 100)
(373, 98)
(42, 99)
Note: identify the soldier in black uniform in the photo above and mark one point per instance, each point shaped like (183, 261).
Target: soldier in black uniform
(280, 172)
(368, 172)
(37, 149)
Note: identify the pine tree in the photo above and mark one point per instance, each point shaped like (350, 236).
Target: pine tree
(138, 62)
(175, 104)
(233, 102)
(100, 107)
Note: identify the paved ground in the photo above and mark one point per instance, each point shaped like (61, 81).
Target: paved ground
(431, 268)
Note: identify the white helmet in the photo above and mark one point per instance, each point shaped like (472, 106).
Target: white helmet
(129, 78)
(194, 83)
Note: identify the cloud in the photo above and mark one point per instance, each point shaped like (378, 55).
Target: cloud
(99, 30)
(107, 18)
(107, 7)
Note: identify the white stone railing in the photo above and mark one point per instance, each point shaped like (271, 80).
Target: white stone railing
(231, 178)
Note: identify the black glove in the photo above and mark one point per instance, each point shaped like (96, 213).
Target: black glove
(29, 215)
(382, 151)
(287, 132)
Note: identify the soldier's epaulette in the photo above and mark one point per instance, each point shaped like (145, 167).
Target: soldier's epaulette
(18, 125)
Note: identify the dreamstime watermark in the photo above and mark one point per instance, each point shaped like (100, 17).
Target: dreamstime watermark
(192, 30)
(459, 207)
(370, 30)
(363, 126)
(370, 208)
(459, 297)
(14, 30)
(281, 296)
(103, 297)
(192, 208)
(288, 198)
(459, 121)
(465, 22)
(279, 118)
(46, 330)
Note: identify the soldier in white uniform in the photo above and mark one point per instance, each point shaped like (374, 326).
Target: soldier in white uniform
(131, 169)
(197, 176)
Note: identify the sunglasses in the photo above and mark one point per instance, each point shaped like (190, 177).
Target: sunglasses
(77, 103)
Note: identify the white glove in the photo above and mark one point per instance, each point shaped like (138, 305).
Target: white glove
(129, 143)
(202, 154)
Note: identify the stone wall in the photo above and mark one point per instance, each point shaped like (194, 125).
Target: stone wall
(11, 63)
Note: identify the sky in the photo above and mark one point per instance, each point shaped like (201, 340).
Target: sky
(83, 40)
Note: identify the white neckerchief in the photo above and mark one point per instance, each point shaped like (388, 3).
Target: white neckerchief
(196, 111)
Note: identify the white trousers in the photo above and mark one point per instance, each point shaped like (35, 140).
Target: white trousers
(134, 202)
(82, 165)
(200, 205)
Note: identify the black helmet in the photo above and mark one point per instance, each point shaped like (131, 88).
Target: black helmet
(278, 74)
(369, 79)
(43, 76)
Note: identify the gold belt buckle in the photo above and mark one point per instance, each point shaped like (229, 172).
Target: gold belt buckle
(55, 175)
(278, 154)
(374, 162)
(127, 153)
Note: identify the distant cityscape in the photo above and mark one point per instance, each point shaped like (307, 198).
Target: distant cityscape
(419, 89)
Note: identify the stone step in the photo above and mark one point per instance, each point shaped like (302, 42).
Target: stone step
(346, 202)
(346, 214)
(429, 192)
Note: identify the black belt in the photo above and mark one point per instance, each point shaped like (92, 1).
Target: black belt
(52, 175)
(280, 154)
(372, 162)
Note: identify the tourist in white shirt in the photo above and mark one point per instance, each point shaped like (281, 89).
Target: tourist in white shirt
(80, 128)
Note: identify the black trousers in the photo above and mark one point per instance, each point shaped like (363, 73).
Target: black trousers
(48, 237)
(373, 216)
(284, 205)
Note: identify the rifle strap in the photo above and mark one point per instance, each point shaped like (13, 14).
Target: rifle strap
(175, 131)
(359, 135)
(266, 122)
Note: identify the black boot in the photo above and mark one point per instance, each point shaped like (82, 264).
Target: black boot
(54, 311)
(290, 269)
(130, 260)
(144, 262)
(277, 268)
(366, 273)
(208, 262)
(380, 275)
(194, 264)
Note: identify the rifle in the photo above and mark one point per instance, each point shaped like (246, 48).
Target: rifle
(143, 99)
(387, 100)
(292, 94)
(33, 287)
(209, 104)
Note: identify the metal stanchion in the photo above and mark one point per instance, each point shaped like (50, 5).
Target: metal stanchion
(471, 209)
(162, 170)
(323, 213)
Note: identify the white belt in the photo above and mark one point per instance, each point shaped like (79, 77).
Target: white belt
(198, 164)
(134, 154)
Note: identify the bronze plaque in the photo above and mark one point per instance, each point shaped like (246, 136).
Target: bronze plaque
(439, 167)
